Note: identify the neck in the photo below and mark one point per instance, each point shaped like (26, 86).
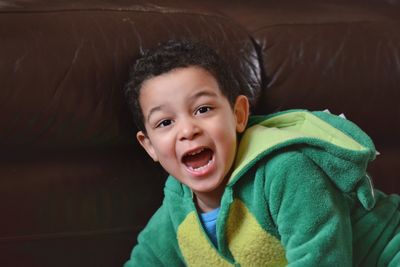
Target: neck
(205, 205)
(208, 201)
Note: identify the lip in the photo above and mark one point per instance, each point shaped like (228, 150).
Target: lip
(202, 171)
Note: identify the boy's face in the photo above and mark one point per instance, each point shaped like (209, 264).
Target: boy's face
(191, 127)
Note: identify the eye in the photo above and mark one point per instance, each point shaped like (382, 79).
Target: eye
(203, 109)
(164, 123)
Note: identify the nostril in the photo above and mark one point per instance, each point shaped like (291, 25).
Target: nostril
(190, 131)
(187, 134)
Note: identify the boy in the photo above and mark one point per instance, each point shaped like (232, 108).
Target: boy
(286, 189)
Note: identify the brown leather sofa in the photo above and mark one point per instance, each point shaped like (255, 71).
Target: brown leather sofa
(75, 187)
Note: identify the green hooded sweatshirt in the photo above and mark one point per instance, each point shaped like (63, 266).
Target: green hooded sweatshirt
(299, 195)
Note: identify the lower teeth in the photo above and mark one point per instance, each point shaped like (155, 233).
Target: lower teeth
(201, 167)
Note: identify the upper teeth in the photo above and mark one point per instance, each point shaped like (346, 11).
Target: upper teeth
(196, 152)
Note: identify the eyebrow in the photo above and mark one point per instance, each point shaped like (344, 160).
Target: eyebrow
(202, 93)
(155, 109)
(191, 98)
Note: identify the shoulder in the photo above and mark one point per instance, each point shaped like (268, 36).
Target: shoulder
(159, 225)
(292, 172)
(296, 186)
(157, 242)
(286, 161)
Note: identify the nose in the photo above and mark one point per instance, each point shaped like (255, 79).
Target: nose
(188, 129)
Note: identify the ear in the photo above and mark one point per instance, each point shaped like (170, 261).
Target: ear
(241, 110)
(146, 144)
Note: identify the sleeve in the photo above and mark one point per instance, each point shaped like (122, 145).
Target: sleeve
(311, 215)
(156, 245)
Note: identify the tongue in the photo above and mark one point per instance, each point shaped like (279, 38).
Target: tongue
(198, 160)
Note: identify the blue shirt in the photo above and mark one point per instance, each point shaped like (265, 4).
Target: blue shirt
(209, 221)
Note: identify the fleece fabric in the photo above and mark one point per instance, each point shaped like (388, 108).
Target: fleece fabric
(299, 195)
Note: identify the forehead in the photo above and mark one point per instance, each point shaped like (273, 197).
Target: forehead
(179, 82)
(181, 74)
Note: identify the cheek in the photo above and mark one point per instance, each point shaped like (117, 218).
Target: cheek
(165, 148)
(227, 140)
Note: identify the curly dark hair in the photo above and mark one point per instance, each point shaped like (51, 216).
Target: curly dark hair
(172, 55)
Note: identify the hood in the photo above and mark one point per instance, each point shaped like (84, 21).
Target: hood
(338, 146)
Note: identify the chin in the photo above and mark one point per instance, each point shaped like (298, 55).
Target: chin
(209, 188)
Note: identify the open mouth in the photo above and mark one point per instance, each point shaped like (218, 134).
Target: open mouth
(199, 159)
